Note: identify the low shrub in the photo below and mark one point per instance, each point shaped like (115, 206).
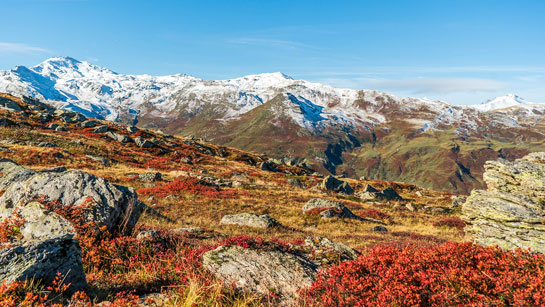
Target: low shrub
(449, 274)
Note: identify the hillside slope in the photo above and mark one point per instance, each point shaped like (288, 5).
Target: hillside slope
(340, 131)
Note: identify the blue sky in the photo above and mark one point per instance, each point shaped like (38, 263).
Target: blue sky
(462, 52)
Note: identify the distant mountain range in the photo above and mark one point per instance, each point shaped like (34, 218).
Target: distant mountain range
(340, 131)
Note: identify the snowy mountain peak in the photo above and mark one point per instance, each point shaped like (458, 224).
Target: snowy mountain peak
(501, 102)
(67, 67)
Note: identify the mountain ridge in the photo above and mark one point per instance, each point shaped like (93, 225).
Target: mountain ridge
(341, 131)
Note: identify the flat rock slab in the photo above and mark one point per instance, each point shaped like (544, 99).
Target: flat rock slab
(261, 271)
(250, 220)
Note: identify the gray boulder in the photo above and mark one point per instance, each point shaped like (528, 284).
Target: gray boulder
(268, 166)
(118, 137)
(11, 172)
(331, 183)
(250, 220)
(510, 213)
(150, 177)
(10, 105)
(113, 206)
(40, 223)
(42, 261)
(143, 143)
(320, 245)
(330, 209)
(261, 271)
(101, 129)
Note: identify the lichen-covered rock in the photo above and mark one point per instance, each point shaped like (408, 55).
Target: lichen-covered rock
(150, 177)
(250, 220)
(510, 213)
(143, 143)
(331, 183)
(370, 192)
(261, 271)
(40, 223)
(11, 172)
(113, 206)
(325, 245)
(43, 260)
(118, 137)
(268, 166)
(329, 209)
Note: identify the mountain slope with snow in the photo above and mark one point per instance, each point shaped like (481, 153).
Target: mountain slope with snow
(354, 132)
(501, 102)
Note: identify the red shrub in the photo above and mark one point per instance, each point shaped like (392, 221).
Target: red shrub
(374, 214)
(454, 222)
(450, 274)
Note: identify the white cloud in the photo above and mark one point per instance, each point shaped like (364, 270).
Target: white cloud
(420, 85)
(21, 48)
(439, 85)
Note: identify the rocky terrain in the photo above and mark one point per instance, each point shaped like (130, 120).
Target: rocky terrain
(346, 132)
(511, 212)
(99, 213)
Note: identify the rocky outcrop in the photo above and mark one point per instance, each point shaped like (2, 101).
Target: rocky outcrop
(11, 172)
(261, 271)
(113, 206)
(42, 260)
(250, 220)
(511, 212)
(388, 194)
(118, 137)
(330, 209)
(331, 183)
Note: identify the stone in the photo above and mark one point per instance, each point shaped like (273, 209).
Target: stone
(88, 124)
(10, 105)
(143, 143)
(510, 213)
(457, 201)
(379, 229)
(147, 235)
(116, 207)
(249, 220)
(410, 207)
(296, 183)
(329, 209)
(363, 178)
(11, 172)
(150, 177)
(261, 271)
(40, 223)
(325, 245)
(42, 261)
(118, 137)
(53, 126)
(102, 160)
(390, 194)
(368, 193)
(132, 129)
(101, 129)
(59, 128)
(331, 183)
(268, 166)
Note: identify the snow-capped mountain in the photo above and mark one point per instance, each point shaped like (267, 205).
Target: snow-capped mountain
(100, 92)
(355, 132)
(502, 102)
